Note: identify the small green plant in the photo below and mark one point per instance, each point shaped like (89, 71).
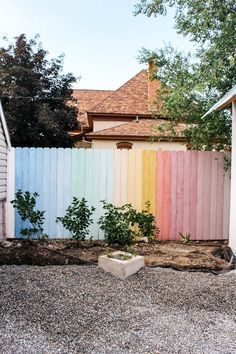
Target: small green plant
(185, 238)
(25, 203)
(116, 224)
(145, 222)
(121, 256)
(130, 249)
(77, 218)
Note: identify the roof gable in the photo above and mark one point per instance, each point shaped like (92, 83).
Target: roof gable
(86, 99)
(132, 98)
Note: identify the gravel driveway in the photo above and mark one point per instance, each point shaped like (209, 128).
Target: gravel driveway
(75, 309)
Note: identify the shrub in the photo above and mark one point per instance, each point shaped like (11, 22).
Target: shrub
(122, 224)
(25, 203)
(145, 221)
(77, 218)
(116, 224)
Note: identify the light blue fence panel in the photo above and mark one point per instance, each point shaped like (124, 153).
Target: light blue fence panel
(53, 193)
(18, 185)
(46, 188)
(95, 191)
(58, 175)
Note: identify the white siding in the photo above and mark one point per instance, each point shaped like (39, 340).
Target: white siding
(3, 164)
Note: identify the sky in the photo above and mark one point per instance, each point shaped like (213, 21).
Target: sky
(101, 39)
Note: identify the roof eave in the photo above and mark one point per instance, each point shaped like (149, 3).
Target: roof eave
(223, 102)
(4, 125)
(116, 114)
(133, 137)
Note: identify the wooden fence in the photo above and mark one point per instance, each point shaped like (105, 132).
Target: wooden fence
(189, 191)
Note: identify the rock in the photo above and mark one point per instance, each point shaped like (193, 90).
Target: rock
(52, 247)
(223, 252)
(5, 244)
(141, 239)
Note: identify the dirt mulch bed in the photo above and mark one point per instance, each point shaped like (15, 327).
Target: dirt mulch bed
(204, 256)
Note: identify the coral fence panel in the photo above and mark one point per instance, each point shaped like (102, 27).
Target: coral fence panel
(188, 190)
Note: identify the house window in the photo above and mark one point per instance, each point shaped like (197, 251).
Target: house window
(124, 145)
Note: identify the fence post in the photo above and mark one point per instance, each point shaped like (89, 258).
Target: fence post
(232, 223)
(10, 218)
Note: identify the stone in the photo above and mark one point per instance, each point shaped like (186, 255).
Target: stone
(5, 244)
(118, 267)
(141, 239)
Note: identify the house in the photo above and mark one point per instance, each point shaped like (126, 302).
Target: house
(5, 145)
(129, 117)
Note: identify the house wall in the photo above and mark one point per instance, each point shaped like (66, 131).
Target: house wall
(3, 164)
(144, 145)
(105, 124)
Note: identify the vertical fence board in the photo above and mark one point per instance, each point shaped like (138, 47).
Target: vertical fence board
(149, 179)
(189, 191)
(75, 173)
(206, 194)
(173, 197)
(32, 170)
(46, 194)
(60, 191)
(193, 193)
(200, 195)
(124, 177)
(103, 187)
(53, 192)
(186, 192)
(95, 202)
(220, 197)
(110, 175)
(18, 185)
(213, 206)
(117, 178)
(39, 177)
(131, 177)
(81, 175)
(88, 175)
(138, 179)
(159, 192)
(180, 193)
(226, 207)
(166, 196)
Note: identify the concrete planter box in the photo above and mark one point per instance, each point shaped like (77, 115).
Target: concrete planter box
(118, 267)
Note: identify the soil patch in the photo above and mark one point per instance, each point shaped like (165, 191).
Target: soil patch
(208, 256)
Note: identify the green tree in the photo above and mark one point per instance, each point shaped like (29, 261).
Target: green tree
(35, 92)
(195, 81)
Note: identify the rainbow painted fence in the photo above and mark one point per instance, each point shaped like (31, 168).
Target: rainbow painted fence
(189, 191)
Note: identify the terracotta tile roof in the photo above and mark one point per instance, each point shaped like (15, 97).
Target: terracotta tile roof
(143, 128)
(135, 97)
(86, 99)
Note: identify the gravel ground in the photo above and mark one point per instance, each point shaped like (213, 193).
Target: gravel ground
(75, 309)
